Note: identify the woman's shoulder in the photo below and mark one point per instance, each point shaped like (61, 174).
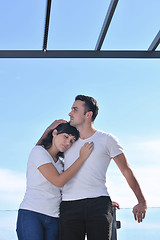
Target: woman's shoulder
(38, 149)
(39, 155)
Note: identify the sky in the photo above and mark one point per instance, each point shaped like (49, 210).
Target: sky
(35, 92)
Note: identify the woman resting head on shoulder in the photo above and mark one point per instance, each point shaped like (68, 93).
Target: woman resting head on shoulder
(38, 213)
(60, 139)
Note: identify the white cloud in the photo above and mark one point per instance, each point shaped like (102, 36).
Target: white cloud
(12, 188)
(148, 177)
(144, 152)
(145, 226)
(153, 146)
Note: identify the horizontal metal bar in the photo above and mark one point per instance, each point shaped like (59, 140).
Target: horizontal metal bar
(77, 54)
(155, 42)
(106, 24)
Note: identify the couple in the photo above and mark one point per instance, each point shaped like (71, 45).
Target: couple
(86, 206)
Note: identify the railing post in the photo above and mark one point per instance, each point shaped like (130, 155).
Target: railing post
(115, 225)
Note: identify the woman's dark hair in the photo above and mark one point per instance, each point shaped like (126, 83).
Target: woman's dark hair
(61, 128)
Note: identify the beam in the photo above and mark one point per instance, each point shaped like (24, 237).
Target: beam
(48, 10)
(106, 24)
(155, 42)
(77, 54)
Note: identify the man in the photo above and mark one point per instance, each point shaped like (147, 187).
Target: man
(86, 206)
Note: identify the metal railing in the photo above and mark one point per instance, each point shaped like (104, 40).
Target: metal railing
(115, 225)
(130, 229)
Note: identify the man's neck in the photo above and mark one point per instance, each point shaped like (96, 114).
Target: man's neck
(86, 131)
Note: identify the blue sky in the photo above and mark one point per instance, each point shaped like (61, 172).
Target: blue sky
(35, 92)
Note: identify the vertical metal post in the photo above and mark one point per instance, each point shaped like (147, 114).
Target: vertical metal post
(155, 42)
(106, 24)
(115, 225)
(48, 10)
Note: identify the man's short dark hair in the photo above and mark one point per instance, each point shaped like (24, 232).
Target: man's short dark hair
(90, 105)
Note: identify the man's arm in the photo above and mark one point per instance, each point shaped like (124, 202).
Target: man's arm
(140, 209)
(52, 126)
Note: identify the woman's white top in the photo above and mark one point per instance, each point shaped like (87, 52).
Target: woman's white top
(41, 196)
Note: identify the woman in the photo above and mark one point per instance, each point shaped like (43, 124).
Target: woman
(39, 211)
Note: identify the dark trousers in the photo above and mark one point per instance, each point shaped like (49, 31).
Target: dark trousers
(90, 216)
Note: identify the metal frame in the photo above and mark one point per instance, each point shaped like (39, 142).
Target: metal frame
(97, 53)
(155, 42)
(78, 54)
(48, 11)
(115, 225)
(106, 24)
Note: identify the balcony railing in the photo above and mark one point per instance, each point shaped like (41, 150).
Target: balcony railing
(129, 230)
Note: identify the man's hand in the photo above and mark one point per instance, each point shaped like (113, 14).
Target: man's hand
(139, 211)
(52, 126)
(56, 123)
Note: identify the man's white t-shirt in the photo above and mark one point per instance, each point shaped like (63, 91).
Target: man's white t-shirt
(41, 196)
(90, 180)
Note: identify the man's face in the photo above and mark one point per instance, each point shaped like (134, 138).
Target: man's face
(77, 116)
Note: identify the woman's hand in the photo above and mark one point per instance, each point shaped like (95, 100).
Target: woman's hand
(86, 150)
(115, 204)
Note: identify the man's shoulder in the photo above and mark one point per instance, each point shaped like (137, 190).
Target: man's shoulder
(103, 133)
(106, 135)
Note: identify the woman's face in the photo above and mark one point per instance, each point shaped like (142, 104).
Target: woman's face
(63, 141)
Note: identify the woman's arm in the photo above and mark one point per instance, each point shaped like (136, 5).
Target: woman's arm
(52, 175)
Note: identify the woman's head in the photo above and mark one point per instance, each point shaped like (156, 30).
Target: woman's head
(64, 129)
(67, 128)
